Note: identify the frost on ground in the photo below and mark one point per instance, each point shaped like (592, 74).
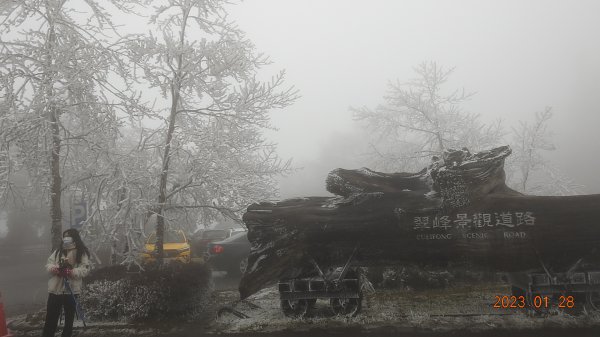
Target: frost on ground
(463, 307)
(458, 308)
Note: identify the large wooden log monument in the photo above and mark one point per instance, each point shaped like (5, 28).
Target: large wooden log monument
(457, 209)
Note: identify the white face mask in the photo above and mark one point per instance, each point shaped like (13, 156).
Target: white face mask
(68, 240)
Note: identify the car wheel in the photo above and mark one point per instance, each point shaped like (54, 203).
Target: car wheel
(243, 265)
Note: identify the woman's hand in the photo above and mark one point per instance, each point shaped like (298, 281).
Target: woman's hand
(66, 272)
(54, 270)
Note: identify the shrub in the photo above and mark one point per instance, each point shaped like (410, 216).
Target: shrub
(176, 290)
(109, 273)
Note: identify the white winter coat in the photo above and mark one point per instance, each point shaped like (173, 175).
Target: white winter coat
(80, 270)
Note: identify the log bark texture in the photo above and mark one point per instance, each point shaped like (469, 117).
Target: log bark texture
(458, 209)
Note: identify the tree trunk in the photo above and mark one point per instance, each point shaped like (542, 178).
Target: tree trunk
(162, 195)
(55, 183)
(456, 210)
(52, 116)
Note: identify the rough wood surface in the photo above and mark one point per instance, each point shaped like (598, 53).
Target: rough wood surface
(457, 209)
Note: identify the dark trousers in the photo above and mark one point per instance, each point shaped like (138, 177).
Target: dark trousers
(53, 308)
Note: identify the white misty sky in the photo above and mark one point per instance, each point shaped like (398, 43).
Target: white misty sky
(519, 56)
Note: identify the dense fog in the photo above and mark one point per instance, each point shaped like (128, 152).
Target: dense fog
(518, 57)
(120, 119)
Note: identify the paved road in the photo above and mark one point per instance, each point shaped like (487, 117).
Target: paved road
(223, 282)
(23, 279)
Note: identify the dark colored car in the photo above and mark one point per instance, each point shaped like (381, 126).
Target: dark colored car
(231, 254)
(202, 238)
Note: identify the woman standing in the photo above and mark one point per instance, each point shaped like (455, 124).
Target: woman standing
(70, 263)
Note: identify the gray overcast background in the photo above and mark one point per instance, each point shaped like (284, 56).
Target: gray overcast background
(519, 56)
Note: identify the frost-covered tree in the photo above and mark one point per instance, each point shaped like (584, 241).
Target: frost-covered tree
(420, 119)
(63, 85)
(529, 170)
(529, 142)
(213, 158)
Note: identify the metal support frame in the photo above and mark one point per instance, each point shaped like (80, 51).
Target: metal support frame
(347, 265)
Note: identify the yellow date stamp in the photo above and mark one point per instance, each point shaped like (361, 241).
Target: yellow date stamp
(535, 302)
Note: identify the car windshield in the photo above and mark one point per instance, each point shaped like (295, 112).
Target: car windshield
(237, 237)
(214, 234)
(170, 237)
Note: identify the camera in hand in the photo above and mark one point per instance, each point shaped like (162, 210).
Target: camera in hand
(63, 266)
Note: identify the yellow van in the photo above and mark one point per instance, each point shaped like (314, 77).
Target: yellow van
(175, 247)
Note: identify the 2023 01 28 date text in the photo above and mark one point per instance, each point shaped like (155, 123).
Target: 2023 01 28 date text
(536, 302)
